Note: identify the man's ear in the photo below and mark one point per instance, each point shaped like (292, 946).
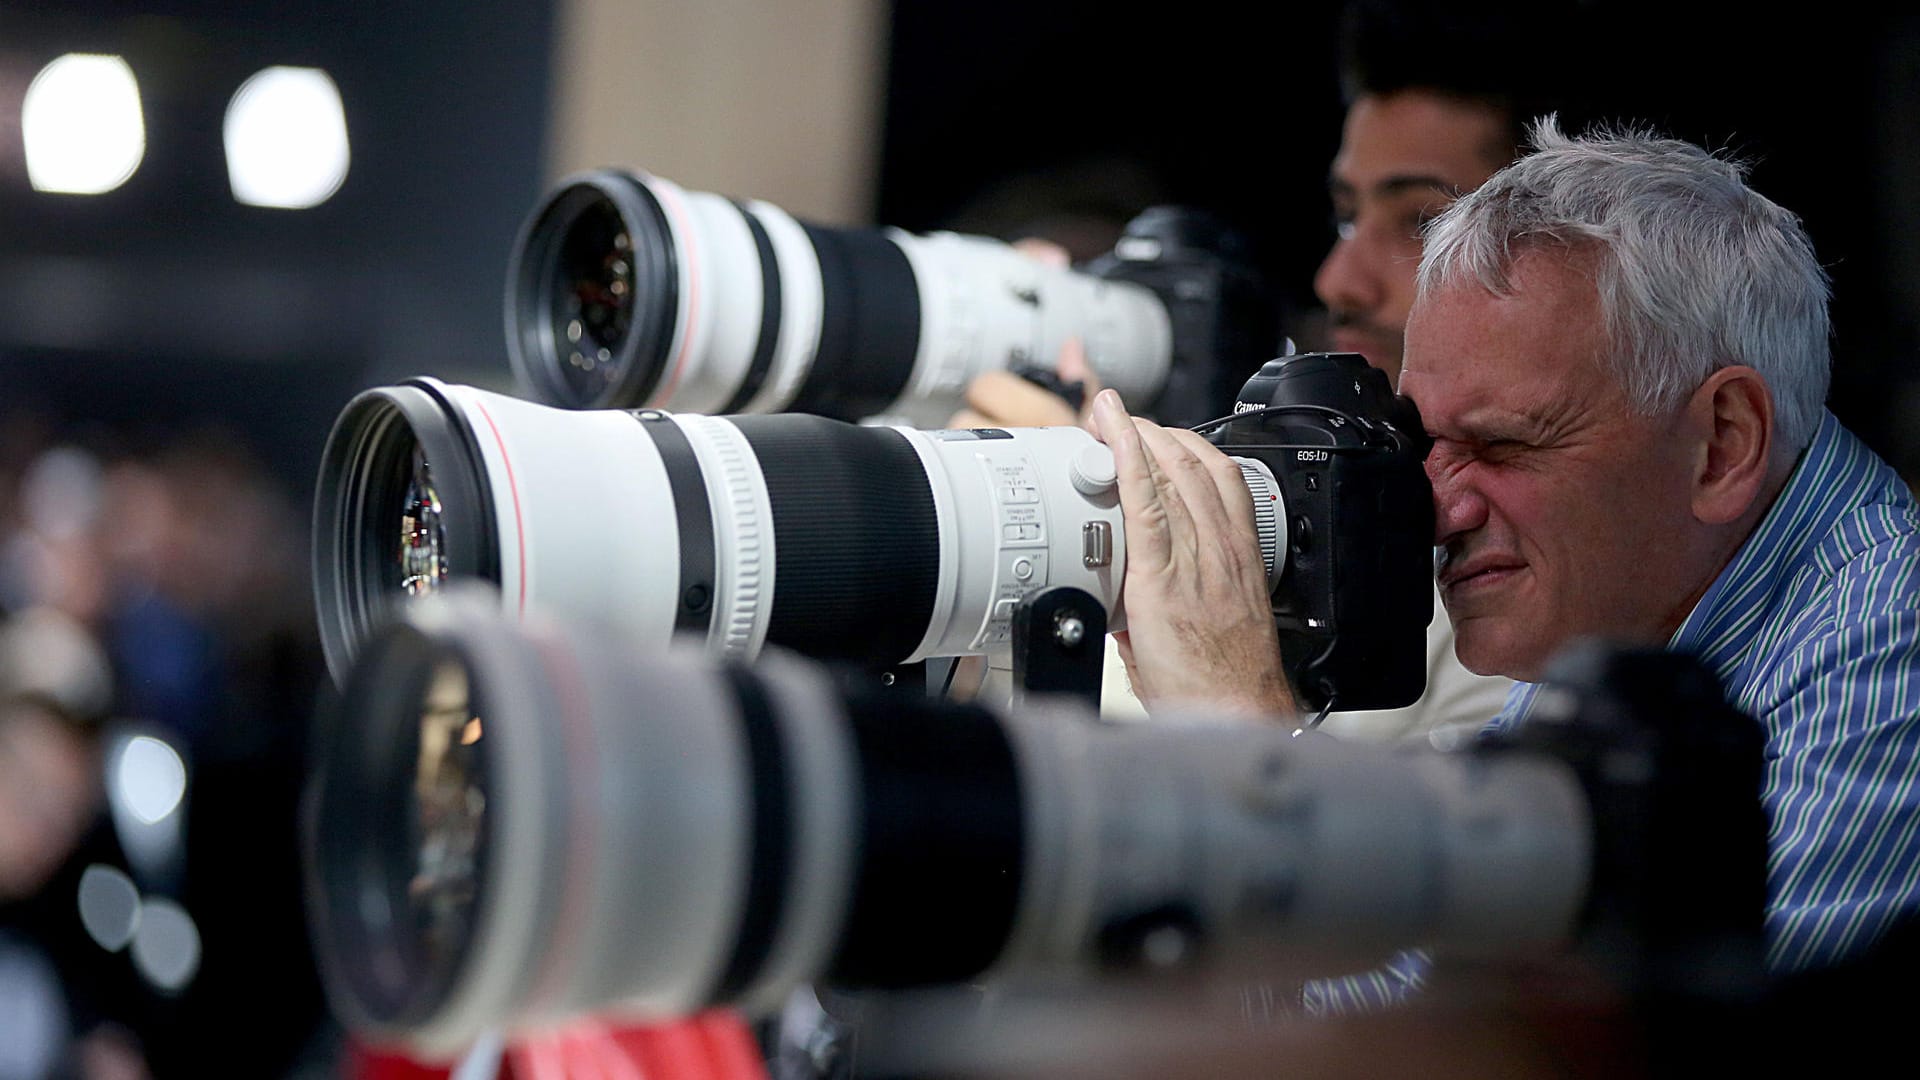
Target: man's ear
(1732, 416)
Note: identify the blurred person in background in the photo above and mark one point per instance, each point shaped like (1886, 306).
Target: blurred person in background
(68, 1005)
(157, 671)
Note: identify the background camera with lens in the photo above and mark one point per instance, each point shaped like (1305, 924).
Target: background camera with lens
(627, 290)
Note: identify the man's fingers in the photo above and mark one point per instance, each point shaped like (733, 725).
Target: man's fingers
(1228, 480)
(1185, 489)
(1141, 505)
(1045, 252)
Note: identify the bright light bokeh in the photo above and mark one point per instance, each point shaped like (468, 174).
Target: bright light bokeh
(150, 779)
(81, 125)
(286, 137)
(166, 945)
(109, 906)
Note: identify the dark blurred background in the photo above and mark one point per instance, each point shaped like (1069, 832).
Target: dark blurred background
(170, 359)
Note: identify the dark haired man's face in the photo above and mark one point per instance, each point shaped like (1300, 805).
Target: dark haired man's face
(1403, 157)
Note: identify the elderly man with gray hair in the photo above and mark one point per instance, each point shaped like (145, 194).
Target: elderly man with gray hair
(1620, 351)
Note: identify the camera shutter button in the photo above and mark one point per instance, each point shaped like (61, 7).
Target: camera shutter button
(1091, 470)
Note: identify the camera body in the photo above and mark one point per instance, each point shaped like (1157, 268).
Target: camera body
(1353, 605)
(1225, 317)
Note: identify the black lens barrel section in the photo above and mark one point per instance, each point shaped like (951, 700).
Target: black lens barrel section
(869, 325)
(770, 860)
(771, 312)
(941, 845)
(856, 537)
(693, 515)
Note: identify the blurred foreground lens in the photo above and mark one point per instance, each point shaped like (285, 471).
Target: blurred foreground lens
(449, 819)
(406, 847)
(659, 833)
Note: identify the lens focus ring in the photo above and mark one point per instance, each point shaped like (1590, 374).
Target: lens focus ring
(743, 532)
(1269, 522)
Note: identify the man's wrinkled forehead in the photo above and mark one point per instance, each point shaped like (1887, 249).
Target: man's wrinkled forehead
(1466, 341)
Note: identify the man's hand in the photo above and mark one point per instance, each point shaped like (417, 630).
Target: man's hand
(1199, 623)
(1003, 399)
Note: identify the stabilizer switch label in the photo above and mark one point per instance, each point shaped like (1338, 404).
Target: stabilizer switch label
(1020, 566)
(1016, 494)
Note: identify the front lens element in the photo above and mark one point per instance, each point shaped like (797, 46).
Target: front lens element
(448, 817)
(423, 536)
(594, 298)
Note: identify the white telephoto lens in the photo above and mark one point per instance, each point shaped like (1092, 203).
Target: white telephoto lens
(627, 291)
(872, 545)
(633, 832)
(516, 822)
(985, 307)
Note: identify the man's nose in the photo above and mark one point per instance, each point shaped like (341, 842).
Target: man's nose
(1458, 506)
(1346, 281)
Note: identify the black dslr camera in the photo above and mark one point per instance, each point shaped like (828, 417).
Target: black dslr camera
(1225, 318)
(1353, 604)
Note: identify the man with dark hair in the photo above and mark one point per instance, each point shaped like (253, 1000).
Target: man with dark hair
(1438, 96)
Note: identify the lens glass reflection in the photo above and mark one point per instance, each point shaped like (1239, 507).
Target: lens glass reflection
(595, 298)
(423, 536)
(448, 816)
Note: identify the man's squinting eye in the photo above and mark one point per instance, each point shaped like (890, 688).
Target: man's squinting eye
(1495, 451)
(1491, 451)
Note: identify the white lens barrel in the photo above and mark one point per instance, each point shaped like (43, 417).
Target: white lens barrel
(746, 571)
(578, 505)
(627, 290)
(877, 546)
(721, 301)
(985, 307)
(1011, 524)
(1306, 855)
(663, 835)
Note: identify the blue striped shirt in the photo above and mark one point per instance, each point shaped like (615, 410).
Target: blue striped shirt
(1814, 630)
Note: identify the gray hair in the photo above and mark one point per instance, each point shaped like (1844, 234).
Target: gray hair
(1695, 270)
